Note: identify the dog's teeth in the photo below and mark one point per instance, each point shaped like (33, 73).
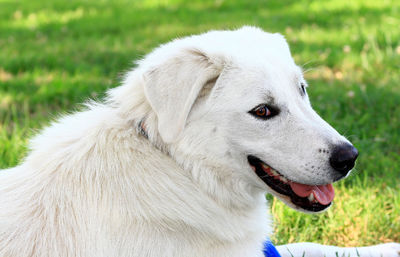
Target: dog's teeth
(283, 179)
(265, 166)
(274, 172)
(311, 197)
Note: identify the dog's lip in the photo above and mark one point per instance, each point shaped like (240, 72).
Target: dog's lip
(301, 195)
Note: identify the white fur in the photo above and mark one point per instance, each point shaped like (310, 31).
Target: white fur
(93, 185)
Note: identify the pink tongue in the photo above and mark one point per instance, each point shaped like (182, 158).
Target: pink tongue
(324, 194)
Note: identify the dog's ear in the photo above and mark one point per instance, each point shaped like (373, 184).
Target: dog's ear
(173, 86)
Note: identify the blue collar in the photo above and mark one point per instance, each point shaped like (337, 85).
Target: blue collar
(270, 250)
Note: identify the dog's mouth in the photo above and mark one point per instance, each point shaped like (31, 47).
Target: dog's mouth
(314, 198)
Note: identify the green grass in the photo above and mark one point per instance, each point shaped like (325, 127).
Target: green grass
(55, 54)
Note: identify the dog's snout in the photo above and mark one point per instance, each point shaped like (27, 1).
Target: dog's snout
(343, 158)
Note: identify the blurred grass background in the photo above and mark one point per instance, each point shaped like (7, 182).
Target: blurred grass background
(55, 54)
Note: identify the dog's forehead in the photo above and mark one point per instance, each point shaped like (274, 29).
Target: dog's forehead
(262, 60)
(246, 45)
(266, 79)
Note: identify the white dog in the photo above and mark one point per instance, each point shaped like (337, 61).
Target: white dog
(177, 161)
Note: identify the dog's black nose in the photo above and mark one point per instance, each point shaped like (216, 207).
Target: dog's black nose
(343, 158)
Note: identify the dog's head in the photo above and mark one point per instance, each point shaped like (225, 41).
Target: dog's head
(236, 101)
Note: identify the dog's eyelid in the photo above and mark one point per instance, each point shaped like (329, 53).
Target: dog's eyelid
(272, 110)
(303, 87)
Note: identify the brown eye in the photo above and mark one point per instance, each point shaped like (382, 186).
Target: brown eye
(264, 112)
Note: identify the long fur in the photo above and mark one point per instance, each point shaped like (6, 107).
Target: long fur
(89, 188)
(94, 185)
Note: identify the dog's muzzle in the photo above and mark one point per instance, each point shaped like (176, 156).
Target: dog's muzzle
(314, 198)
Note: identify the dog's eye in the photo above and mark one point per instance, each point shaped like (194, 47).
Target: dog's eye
(263, 112)
(303, 88)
